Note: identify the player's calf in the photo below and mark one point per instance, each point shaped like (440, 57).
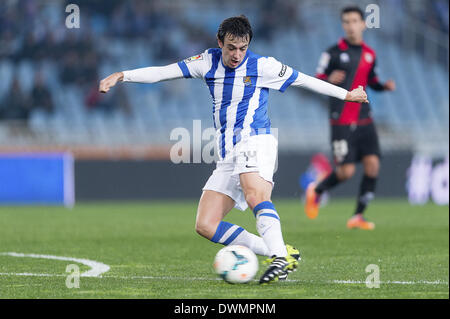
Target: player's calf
(230, 234)
(366, 193)
(269, 227)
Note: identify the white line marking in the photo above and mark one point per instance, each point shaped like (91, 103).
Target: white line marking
(97, 268)
(426, 282)
(28, 274)
(420, 282)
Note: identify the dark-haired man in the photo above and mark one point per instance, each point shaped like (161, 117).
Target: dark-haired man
(239, 82)
(350, 64)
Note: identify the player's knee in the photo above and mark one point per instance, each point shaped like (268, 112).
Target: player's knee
(201, 228)
(372, 170)
(250, 198)
(349, 173)
(206, 228)
(346, 172)
(371, 167)
(254, 198)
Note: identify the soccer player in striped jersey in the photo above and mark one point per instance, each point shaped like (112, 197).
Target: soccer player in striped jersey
(239, 82)
(349, 64)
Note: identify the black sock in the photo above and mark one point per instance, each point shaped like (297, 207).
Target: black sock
(366, 193)
(327, 183)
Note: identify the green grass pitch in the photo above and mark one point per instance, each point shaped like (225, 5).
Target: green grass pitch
(154, 252)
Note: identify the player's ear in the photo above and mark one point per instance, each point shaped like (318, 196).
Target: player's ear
(363, 25)
(220, 43)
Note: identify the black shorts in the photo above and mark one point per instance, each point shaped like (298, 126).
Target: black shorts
(351, 143)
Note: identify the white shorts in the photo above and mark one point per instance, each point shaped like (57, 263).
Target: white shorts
(258, 153)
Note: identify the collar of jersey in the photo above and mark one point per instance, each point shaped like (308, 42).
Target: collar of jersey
(231, 69)
(353, 45)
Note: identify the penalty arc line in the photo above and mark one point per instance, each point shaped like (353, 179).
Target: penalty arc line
(97, 268)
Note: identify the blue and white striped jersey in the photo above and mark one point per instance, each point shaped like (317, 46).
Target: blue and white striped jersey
(239, 95)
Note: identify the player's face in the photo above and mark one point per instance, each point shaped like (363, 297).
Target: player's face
(233, 50)
(353, 26)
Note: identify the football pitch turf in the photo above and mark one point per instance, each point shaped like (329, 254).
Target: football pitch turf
(153, 252)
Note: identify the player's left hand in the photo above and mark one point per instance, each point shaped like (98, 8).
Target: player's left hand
(110, 81)
(389, 85)
(357, 95)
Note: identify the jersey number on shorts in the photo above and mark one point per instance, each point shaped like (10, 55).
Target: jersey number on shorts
(340, 150)
(250, 158)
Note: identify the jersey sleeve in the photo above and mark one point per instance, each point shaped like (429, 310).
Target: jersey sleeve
(196, 66)
(275, 75)
(325, 66)
(193, 67)
(373, 81)
(153, 74)
(320, 86)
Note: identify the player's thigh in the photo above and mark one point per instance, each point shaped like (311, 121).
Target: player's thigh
(256, 171)
(342, 145)
(257, 153)
(256, 189)
(369, 143)
(212, 208)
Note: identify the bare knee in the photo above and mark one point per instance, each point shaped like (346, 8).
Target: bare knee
(371, 171)
(253, 198)
(212, 208)
(371, 166)
(345, 172)
(206, 227)
(256, 189)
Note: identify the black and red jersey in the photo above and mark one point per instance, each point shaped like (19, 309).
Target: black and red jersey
(358, 62)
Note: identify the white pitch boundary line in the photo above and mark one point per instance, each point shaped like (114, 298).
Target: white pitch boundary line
(29, 274)
(389, 282)
(97, 268)
(425, 282)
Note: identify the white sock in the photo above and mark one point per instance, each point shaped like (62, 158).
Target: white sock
(269, 227)
(255, 243)
(230, 234)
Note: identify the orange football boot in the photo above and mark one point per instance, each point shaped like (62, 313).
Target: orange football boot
(312, 201)
(358, 221)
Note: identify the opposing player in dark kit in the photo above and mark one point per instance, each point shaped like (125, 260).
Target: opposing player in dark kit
(349, 64)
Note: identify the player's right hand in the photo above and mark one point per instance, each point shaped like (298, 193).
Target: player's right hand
(357, 95)
(110, 81)
(337, 77)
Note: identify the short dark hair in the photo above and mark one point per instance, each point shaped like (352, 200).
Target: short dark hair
(352, 9)
(236, 27)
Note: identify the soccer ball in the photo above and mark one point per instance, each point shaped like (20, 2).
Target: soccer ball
(236, 264)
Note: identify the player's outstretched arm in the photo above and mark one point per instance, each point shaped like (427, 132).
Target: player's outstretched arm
(144, 75)
(322, 87)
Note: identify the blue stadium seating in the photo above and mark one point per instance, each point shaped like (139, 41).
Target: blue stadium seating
(416, 113)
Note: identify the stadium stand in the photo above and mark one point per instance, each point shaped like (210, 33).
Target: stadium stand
(71, 62)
